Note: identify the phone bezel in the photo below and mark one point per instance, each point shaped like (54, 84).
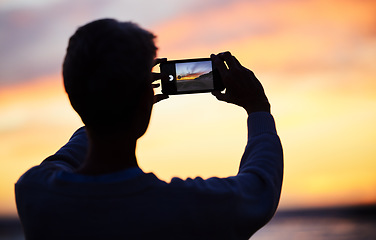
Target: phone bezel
(170, 87)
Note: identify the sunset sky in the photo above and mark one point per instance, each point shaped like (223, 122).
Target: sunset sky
(315, 58)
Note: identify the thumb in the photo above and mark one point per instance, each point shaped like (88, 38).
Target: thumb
(220, 96)
(159, 60)
(160, 97)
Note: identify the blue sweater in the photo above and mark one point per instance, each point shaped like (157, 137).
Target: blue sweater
(53, 202)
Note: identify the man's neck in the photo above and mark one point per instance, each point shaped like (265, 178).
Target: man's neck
(107, 156)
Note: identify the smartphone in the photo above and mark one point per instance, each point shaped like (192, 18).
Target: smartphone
(190, 76)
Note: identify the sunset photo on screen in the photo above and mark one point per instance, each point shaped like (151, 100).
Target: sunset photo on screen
(194, 76)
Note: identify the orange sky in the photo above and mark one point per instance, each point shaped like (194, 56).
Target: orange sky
(316, 60)
(190, 76)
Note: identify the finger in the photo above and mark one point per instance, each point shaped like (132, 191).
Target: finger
(223, 53)
(236, 61)
(230, 60)
(157, 76)
(160, 97)
(234, 66)
(159, 60)
(219, 64)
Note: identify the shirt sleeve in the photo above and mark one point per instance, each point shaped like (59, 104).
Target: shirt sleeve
(249, 199)
(258, 184)
(262, 160)
(72, 153)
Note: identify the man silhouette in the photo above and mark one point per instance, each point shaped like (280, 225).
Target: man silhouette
(92, 188)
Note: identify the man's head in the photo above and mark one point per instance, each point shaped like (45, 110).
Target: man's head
(107, 72)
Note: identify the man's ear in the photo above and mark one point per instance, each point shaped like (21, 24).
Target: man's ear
(143, 111)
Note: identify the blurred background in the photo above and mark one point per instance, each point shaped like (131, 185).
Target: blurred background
(315, 58)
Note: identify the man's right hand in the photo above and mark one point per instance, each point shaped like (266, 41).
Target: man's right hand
(242, 86)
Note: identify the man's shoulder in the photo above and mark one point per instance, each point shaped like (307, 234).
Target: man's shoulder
(43, 172)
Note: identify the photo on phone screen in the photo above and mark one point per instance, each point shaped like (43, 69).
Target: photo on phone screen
(194, 76)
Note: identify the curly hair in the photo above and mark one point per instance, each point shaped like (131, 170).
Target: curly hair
(107, 65)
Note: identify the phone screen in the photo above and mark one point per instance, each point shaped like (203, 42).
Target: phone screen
(194, 76)
(189, 76)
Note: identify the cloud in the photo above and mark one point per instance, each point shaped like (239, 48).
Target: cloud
(34, 44)
(289, 36)
(33, 39)
(16, 4)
